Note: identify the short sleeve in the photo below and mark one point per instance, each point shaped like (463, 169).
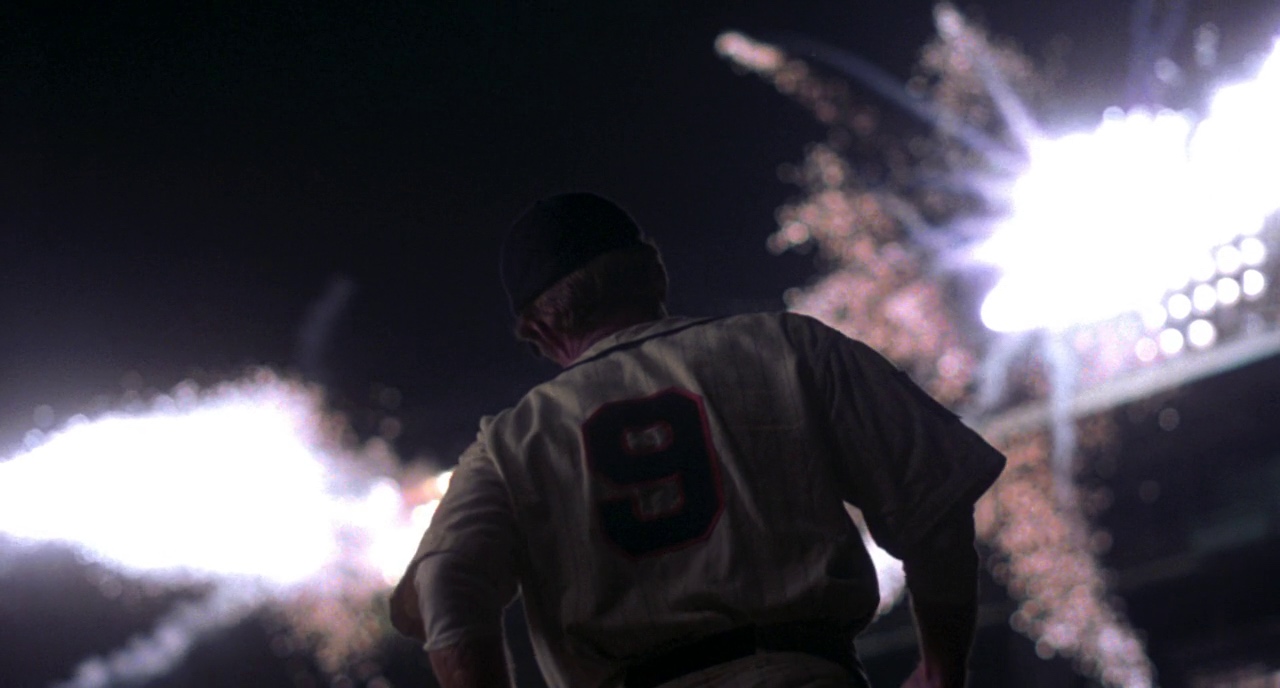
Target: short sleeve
(900, 456)
(464, 572)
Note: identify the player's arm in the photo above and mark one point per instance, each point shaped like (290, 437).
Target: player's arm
(480, 663)
(942, 580)
(915, 470)
(464, 574)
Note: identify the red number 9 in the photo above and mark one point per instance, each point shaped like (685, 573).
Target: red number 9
(664, 477)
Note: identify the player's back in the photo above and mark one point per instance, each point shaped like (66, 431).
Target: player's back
(677, 482)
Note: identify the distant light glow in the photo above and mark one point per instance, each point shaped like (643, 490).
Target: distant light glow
(1105, 222)
(1253, 283)
(421, 514)
(1228, 291)
(1253, 252)
(749, 53)
(1146, 350)
(1229, 259)
(442, 481)
(238, 487)
(1171, 341)
(1201, 333)
(1154, 316)
(200, 491)
(1179, 306)
(1204, 298)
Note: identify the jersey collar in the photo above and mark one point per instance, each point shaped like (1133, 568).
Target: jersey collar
(635, 334)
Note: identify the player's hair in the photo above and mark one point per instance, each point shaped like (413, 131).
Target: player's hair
(626, 283)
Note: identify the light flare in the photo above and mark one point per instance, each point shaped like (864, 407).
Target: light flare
(1106, 222)
(247, 488)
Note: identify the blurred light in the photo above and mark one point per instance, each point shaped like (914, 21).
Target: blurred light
(422, 514)
(1253, 283)
(1203, 268)
(1204, 298)
(1201, 333)
(227, 490)
(246, 489)
(1171, 341)
(1159, 186)
(1253, 252)
(1146, 349)
(1179, 306)
(442, 482)
(754, 55)
(1206, 42)
(1228, 291)
(1228, 259)
(1154, 317)
(1167, 71)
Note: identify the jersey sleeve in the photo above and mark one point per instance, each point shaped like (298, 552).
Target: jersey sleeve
(464, 572)
(901, 457)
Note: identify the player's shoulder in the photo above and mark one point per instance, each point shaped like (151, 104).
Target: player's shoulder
(763, 321)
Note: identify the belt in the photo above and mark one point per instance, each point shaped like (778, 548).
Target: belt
(814, 638)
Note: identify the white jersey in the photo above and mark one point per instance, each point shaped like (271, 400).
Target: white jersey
(685, 477)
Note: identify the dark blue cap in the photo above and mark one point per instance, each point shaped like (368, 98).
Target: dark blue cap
(558, 235)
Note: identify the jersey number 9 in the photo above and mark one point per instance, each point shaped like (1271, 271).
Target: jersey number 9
(657, 453)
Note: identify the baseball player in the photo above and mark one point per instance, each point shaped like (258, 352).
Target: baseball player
(670, 507)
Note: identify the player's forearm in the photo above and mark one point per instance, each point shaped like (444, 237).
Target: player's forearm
(946, 636)
(480, 663)
(942, 578)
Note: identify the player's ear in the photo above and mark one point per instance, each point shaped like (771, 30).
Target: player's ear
(533, 332)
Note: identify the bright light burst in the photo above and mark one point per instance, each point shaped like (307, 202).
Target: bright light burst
(245, 487)
(1107, 222)
(1153, 213)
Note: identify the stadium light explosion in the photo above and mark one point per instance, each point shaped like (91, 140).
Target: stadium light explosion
(1149, 217)
(245, 488)
(1110, 221)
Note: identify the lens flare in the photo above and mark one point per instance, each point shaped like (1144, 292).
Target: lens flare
(247, 487)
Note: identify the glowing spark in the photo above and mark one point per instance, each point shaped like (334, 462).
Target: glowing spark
(239, 487)
(754, 55)
(1106, 222)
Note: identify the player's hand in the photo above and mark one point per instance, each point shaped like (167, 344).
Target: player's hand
(924, 677)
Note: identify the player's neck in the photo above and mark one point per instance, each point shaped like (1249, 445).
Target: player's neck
(565, 349)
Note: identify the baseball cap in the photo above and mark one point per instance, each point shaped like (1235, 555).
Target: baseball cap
(558, 235)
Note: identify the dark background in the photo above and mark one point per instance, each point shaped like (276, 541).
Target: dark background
(179, 186)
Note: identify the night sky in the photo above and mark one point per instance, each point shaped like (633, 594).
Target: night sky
(179, 187)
